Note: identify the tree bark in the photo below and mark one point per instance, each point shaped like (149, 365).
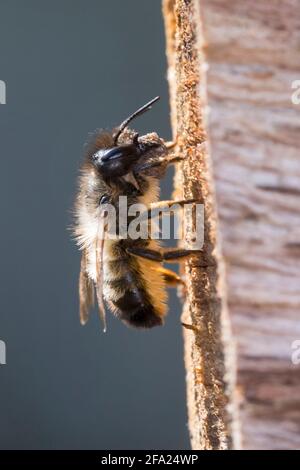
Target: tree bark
(251, 59)
(208, 346)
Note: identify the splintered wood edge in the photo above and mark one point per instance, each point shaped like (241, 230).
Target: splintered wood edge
(209, 351)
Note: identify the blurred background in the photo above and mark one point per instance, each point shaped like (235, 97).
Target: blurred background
(71, 66)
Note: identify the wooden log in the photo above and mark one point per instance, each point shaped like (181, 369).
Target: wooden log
(208, 344)
(252, 51)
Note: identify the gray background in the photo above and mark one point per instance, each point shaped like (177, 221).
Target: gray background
(70, 67)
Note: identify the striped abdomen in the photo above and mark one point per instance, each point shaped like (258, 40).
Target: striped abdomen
(133, 288)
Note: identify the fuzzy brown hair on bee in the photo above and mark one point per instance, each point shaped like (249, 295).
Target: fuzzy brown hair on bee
(126, 273)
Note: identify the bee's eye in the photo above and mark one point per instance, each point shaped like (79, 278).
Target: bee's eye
(104, 199)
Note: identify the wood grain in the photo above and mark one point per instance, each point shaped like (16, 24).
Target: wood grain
(253, 55)
(208, 344)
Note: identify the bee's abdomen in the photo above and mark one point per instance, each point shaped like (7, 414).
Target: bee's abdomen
(135, 310)
(130, 302)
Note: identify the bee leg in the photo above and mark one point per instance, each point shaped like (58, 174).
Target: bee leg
(172, 279)
(174, 159)
(171, 144)
(160, 163)
(157, 163)
(175, 255)
(154, 211)
(180, 202)
(169, 158)
(145, 253)
(169, 255)
(190, 327)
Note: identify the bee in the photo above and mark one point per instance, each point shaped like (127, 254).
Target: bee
(126, 273)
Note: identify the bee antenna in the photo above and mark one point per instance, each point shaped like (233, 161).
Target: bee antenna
(138, 112)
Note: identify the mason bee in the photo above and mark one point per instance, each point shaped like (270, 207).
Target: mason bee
(125, 273)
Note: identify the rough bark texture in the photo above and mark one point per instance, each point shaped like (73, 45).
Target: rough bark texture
(208, 347)
(253, 52)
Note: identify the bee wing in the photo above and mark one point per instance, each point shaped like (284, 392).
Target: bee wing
(99, 267)
(86, 291)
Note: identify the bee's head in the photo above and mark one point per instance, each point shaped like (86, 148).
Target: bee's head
(125, 149)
